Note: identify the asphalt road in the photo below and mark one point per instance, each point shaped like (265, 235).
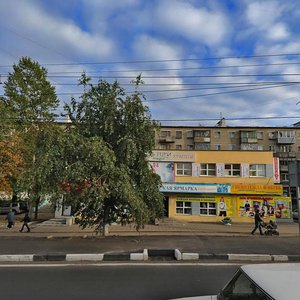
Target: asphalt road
(147, 282)
(117, 244)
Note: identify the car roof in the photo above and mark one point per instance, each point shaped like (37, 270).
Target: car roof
(279, 280)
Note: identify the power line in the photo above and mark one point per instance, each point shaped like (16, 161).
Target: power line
(229, 119)
(213, 94)
(169, 60)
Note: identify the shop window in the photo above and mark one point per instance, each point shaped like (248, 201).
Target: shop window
(208, 170)
(232, 170)
(178, 147)
(217, 147)
(257, 170)
(184, 169)
(183, 208)
(208, 208)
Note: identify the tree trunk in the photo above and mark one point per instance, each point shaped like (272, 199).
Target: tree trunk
(37, 202)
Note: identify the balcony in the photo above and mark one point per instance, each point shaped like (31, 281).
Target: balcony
(167, 139)
(286, 154)
(201, 139)
(286, 140)
(248, 140)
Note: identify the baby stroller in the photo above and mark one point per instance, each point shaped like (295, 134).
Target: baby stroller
(271, 228)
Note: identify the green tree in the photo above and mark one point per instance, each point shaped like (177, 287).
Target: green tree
(123, 124)
(31, 101)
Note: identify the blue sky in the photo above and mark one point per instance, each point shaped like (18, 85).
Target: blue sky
(199, 60)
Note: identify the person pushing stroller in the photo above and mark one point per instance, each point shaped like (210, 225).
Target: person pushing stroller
(271, 228)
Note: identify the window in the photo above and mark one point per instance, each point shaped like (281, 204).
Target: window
(201, 133)
(232, 170)
(184, 208)
(202, 146)
(178, 135)
(217, 134)
(257, 170)
(217, 147)
(178, 147)
(208, 208)
(272, 148)
(190, 147)
(232, 147)
(207, 169)
(260, 135)
(232, 134)
(190, 134)
(184, 169)
(260, 147)
(240, 287)
(165, 133)
(284, 177)
(165, 147)
(285, 148)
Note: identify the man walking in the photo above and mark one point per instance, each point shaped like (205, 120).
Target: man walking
(258, 220)
(26, 220)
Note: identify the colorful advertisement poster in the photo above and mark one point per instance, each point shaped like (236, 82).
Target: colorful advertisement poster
(282, 207)
(164, 170)
(248, 204)
(224, 205)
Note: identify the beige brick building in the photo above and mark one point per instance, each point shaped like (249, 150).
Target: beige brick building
(283, 141)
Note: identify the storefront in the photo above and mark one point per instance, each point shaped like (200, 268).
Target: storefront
(212, 202)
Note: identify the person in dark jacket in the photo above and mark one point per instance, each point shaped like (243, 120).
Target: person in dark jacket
(26, 220)
(10, 219)
(258, 220)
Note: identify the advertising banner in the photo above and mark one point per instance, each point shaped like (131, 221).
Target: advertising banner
(172, 156)
(195, 188)
(256, 189)
(164, 170)
(276, 171)
(279, 207)
(248, 204)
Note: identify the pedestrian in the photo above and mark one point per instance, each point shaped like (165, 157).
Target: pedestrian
(10, 219)
(258, 220)
(26, 220)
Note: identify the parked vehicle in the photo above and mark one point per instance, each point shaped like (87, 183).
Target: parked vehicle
(16, 207)
(275, 281)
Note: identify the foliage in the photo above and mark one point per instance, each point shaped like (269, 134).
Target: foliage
(11, 161)
(30, 100)
(124, 125)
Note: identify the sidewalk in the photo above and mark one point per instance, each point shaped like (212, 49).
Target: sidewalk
(166, 241)
(167, 228)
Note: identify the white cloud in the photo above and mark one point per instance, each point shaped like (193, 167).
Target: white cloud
(278, 31)
(53, 35)
(195, 24)
(263, 13)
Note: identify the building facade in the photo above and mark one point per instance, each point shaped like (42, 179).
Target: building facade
(210, 185)
(284, 142)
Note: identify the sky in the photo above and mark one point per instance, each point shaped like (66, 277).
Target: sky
(200, 60)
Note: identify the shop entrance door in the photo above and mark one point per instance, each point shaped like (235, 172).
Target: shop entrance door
(166, 207)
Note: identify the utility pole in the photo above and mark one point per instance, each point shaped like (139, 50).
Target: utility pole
(294, 170)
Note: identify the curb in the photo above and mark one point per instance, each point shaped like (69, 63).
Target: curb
(146, 255)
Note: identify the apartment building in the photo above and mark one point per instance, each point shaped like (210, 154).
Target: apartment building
(284, 142)
(209, 185)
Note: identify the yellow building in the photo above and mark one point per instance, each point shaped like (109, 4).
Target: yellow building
(210, 185)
